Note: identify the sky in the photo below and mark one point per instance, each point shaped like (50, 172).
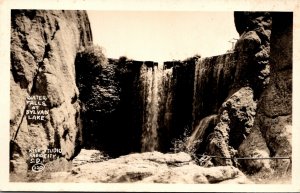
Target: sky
(162, 35)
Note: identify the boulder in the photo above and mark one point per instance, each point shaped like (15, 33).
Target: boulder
(151, 167)
(255, 146)
(236, 120)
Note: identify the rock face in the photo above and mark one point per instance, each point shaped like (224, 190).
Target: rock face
(44, 45)
(273, 122)
(151, 167)
(259, 124)
(99, 95)
(236, 120)
(255, 119)
(251, 75)
(253, 46)
(96, 81)
(114, 124)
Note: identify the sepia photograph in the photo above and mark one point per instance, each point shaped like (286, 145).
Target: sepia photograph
(150, 96)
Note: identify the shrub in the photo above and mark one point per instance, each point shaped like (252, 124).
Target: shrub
(122, 66)
(95, 79)
(194, 58)
(92, 57)
(181, 144)
(88, 64)
(99, 94)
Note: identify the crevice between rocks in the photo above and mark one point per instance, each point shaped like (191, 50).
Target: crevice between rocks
(37, 74)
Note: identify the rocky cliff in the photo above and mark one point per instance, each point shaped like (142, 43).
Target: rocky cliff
(255, 119)
(273, 124)
(249, 78)
(45, 110)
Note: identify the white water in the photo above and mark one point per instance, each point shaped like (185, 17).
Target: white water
(198, 132)
(152, 83)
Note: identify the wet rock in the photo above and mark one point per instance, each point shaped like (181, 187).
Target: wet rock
(200, 132)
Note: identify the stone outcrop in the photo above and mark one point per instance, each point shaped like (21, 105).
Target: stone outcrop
(273, 122)
(236, 120)
(251, 76)
(256, 118)
(99, 95)
(253, 46)
(151, 167)
(115, 123)
(44, 45)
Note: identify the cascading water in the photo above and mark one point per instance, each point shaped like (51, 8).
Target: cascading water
(213, 80)
(168, 97)
(199, 131)
(197, 85)
(159, 102)
(168, 92)
(152, 82)
(166, 109)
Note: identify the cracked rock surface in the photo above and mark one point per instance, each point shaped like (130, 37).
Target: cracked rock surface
(272, 130)
(151, 167)
(44, 45)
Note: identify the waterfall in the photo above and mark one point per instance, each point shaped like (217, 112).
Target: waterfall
(152, 82)
(196, 88)
(199, 131)
(199, 98)
(213, 80)
(168, 98)
(166, 109)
